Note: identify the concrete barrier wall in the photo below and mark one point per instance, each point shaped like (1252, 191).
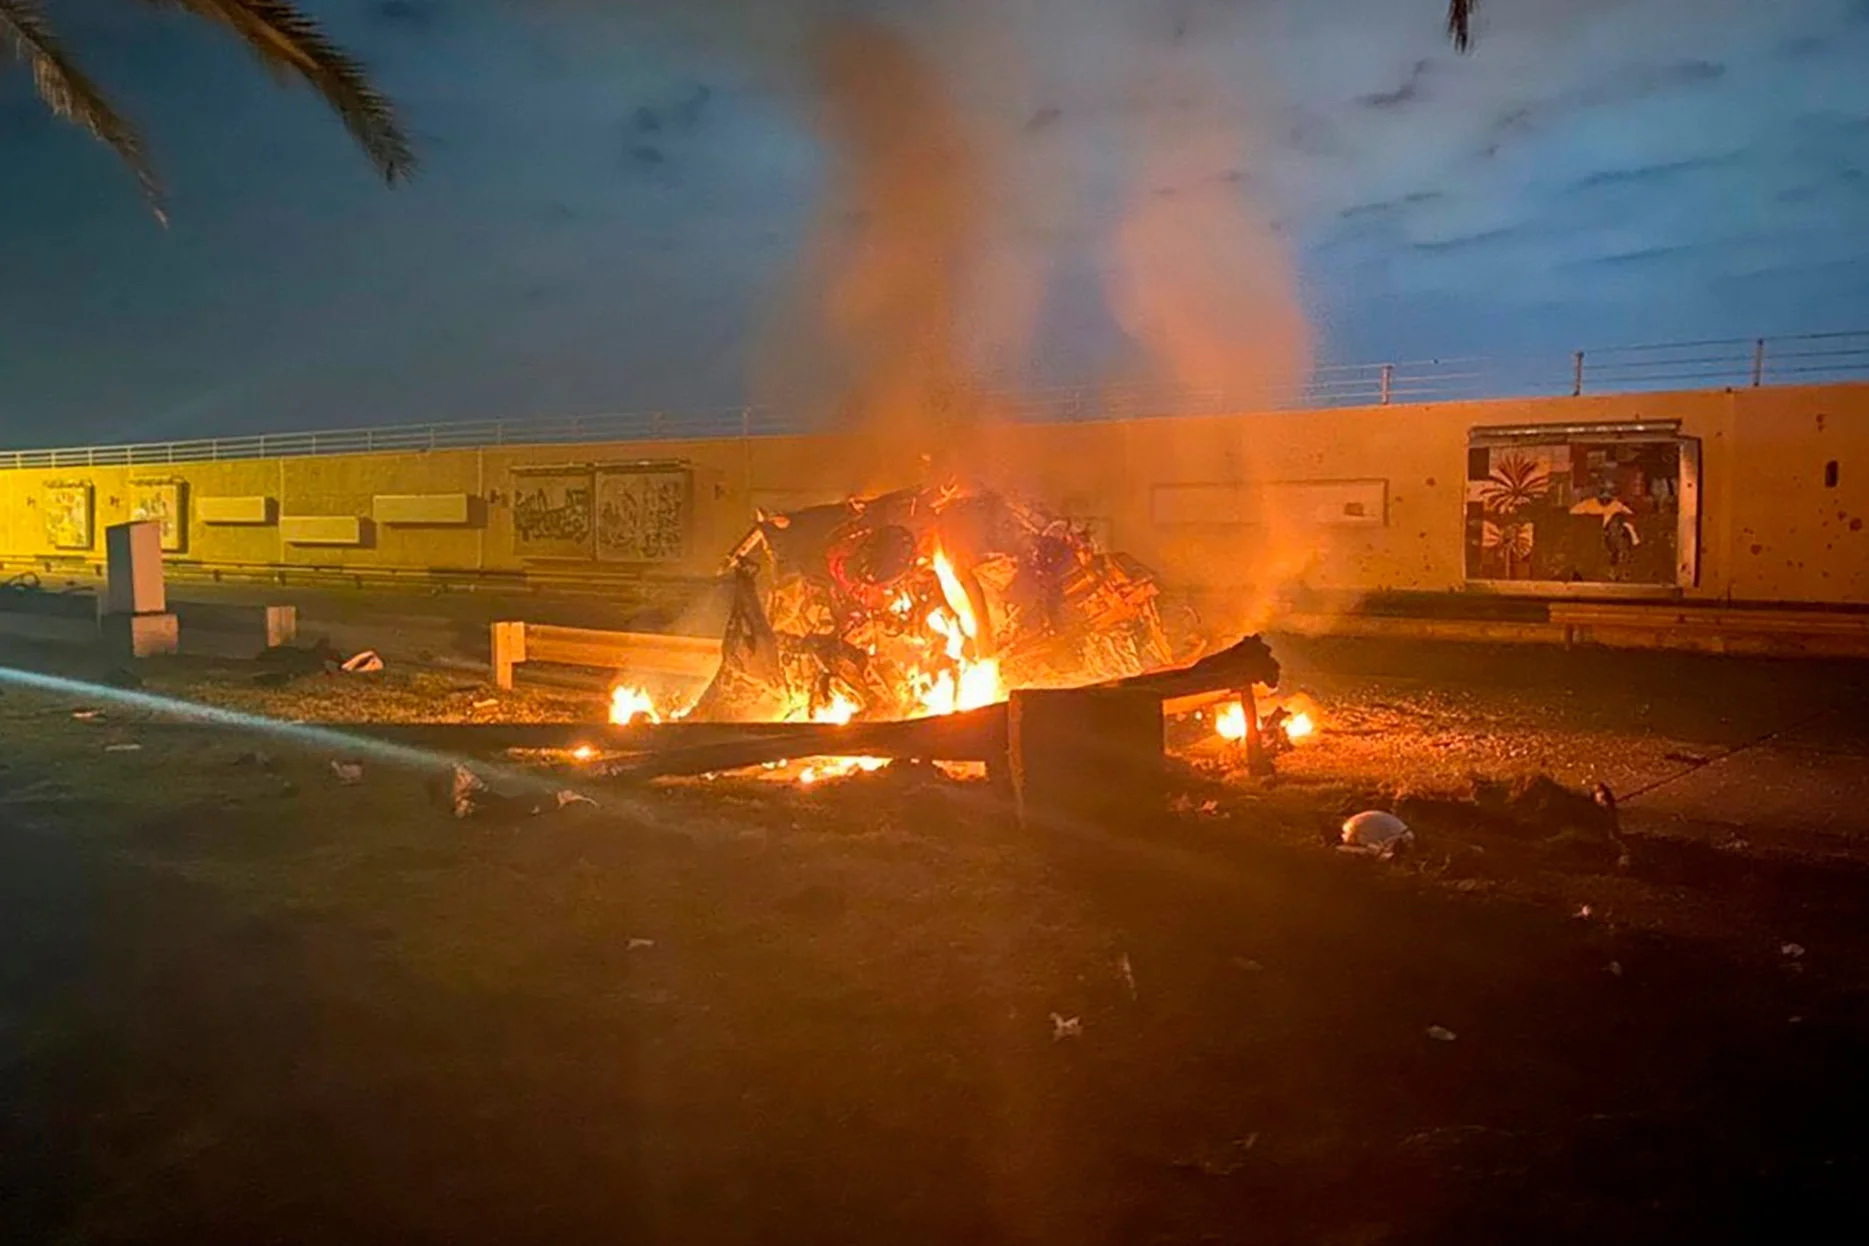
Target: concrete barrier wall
(1198, 497)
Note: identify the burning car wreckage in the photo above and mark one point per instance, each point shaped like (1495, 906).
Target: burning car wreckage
(921, 602)
(933, 601)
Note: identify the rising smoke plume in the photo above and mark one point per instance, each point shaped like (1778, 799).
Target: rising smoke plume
(976, 149)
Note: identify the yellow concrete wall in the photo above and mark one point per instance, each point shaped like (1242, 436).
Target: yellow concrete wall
(1771, 529)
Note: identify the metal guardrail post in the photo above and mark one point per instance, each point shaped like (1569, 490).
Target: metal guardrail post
(1388, 381)
(1758, 363)
(1576, 374)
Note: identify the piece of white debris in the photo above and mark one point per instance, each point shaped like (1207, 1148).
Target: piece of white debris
(1063, 1027)
(1615, 968)
(122, 748)
(637, 945)
(1791, 951)
(1440, 1034)
(1127, 973)
(87, 716)
(487, 704)
(365, 663)
(463, 790)
(349, 773)
(568, 797)
(1584, 912)
(1376, 833)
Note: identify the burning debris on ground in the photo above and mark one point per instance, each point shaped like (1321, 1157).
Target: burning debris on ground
(930, 603)
(924, 601)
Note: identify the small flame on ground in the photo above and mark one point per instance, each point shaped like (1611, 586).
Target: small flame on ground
(628, 705)
(823, 768)
(583, 752)
(840, 710)
(1299, 724)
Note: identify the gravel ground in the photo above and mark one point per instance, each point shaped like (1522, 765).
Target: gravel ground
(246, 1001)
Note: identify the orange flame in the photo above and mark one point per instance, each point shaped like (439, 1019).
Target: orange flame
(628, 705)
(970, 682)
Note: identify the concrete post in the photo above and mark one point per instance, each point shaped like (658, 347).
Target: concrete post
(509, 649)
(137, 622)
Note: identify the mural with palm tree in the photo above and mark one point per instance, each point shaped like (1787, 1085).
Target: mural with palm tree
(286, 40)
(1516, 482)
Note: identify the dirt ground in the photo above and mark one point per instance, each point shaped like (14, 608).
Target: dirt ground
(241, 1001)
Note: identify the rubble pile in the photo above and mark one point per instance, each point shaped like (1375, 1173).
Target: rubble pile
(924, 601)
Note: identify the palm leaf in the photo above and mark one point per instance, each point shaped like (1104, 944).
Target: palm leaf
(70, 94)
(1460, 23)
(287, 41)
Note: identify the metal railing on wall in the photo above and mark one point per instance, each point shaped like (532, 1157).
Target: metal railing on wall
(1806, 359)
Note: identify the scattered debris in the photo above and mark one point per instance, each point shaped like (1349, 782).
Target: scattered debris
(259, 759)
(87, 715)
(349, 773)
(1440, 1034)
(1686, 759)
(1127, 973)
(127, 747)
(487, 703)
(637, 945)
(566, 798)
(1585, 912)
(365, 663)
(1791, 951)
(1226, 1164)
(1615, 968)
(1376, 833)
(1063, 1027)
(465, 791)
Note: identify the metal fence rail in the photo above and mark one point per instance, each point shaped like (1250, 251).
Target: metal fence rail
(1812, 358)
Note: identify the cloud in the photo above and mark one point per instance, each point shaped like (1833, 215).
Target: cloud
(1407, 93)
(1661, 171)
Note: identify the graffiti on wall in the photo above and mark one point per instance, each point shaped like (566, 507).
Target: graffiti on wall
(1577, 511)
(642, 514)
(66, 507)
(162, 501)
(552, 513)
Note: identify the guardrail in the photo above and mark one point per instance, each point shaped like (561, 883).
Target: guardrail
(1806, 359)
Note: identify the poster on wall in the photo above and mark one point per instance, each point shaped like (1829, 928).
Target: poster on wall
(552, 514)
(66, 507)
(643, 513)
(1577, 508)
(162, 501)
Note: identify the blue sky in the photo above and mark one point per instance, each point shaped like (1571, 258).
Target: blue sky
(621, 199)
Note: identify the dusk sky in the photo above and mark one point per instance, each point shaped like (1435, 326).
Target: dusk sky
(616, 197)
